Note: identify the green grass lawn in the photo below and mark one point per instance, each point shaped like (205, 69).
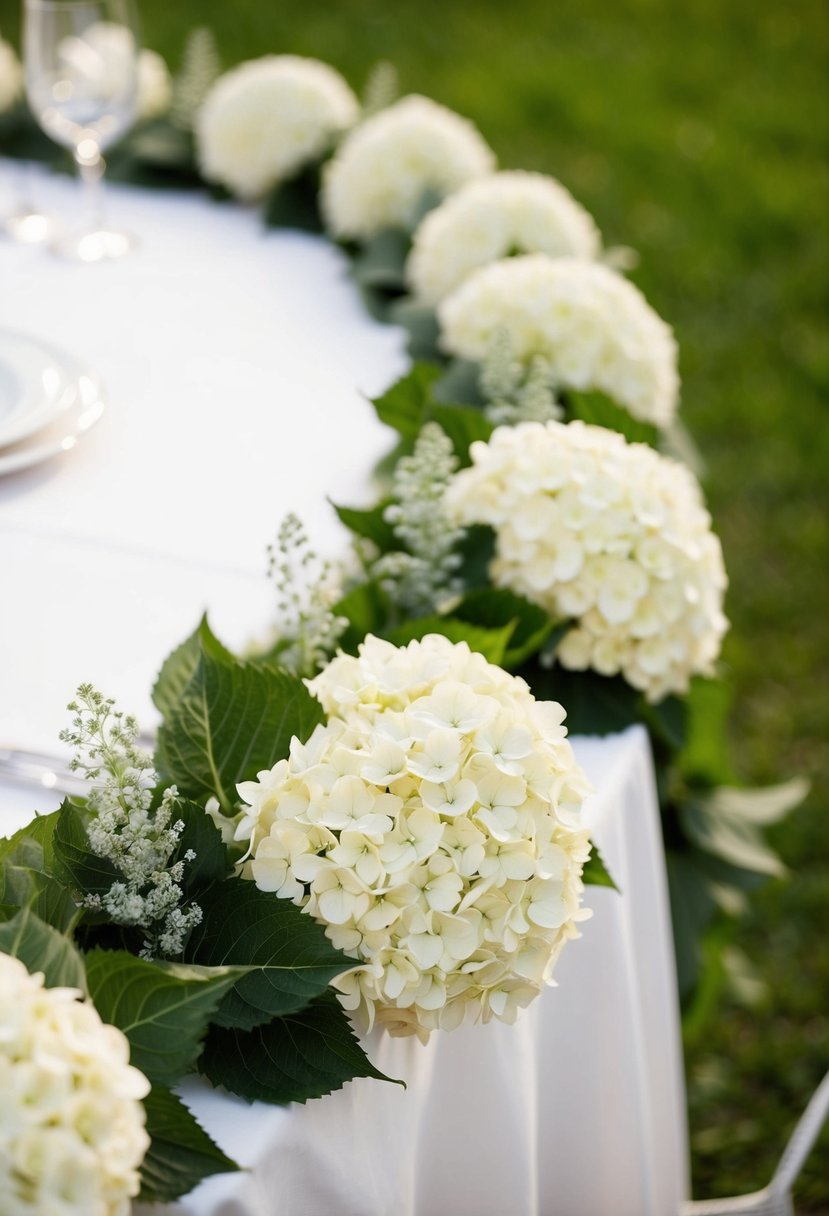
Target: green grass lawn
(695, 132)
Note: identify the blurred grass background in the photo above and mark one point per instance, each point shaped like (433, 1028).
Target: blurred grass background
(695, 131)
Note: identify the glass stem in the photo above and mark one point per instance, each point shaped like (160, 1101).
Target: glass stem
(91, 167)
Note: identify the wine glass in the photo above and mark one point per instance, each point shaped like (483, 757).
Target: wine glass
(25, 222)
(80, 62)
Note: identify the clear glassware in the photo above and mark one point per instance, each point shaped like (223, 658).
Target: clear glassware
(22, 220)
(80, 62)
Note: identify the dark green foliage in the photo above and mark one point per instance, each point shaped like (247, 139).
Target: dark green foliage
(294, 1058)
(295, 203)
(201, 748)
(288, 958)
(181, 1152)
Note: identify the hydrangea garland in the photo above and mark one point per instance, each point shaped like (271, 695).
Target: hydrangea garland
(495, 217)
(606, 532)
(594, 327)
(432, 824)
(381, 172)
(72, 1133)
(265, 120)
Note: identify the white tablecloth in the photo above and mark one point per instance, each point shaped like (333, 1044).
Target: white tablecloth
(233, 360)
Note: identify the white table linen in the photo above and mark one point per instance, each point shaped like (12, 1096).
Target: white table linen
(232, 359)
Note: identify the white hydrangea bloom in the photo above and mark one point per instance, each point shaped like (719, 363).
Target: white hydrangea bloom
(11, 76)
(72, 1135)
(154, 85)
(594, 327)
(265, 120)
(496, 217)
(381, 172)
(609, 533)
(432, 825)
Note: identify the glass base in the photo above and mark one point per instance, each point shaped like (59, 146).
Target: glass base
(29, 227)
(97, 245)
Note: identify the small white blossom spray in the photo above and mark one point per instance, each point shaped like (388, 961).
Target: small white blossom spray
(200, 67)
(124, 829)
(423, 577)
(516, 393)
(306, 587)
(382, 88)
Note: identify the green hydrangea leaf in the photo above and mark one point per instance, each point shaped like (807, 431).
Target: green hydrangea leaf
(163, 1008)
(75, 863)
(477, 549)
(595, 872)
(407, 404)
(232, 719)
(179, 667)
(42, 948)
(464, 425)
(181, 1153)
(422, 326)
(369, 524)
(295, 203)
(366, 608)
(461, 384)
(705, 758)
(595, 705)
(28, 878)
(692, 909)
(668, 720)
(301, 1056)
(381, 261)
(290, 959)
(491, 643)
(494, 606)
(599, 410)
(200, 835)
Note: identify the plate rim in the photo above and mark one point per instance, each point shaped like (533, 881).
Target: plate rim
(33, 421)
(84, 407)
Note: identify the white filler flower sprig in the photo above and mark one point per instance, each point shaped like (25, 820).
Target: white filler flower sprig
(421, 577)
(123, 827)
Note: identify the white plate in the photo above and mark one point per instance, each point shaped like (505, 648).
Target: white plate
(81, 409)
(37, 383)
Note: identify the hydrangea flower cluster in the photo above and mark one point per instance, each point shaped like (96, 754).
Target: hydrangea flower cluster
(122, 826)
(496, 217)
(11, 76)
(609, 533)
(266, 119)
(155, 85)
(383, 170)
(432, 824)
(72, 1134)
(594, 327)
